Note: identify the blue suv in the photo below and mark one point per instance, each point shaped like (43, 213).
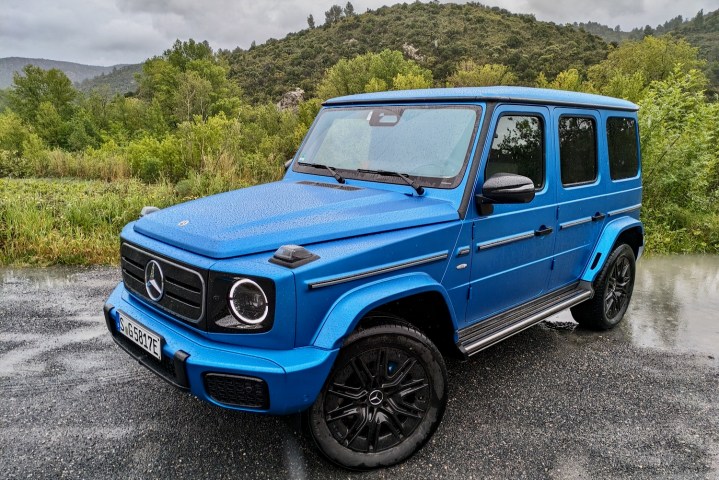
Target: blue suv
(410, 225)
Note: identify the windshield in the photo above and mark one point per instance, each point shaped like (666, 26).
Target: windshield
(428, 143)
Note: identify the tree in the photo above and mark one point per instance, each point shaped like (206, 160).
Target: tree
(372, 72)
(469, 74)
(183, 53)
(36, 86)
(192, 96)
(656, 58)
(311, 21)
(333, 15)
(349, 9)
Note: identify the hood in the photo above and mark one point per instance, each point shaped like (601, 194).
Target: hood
(265, 217)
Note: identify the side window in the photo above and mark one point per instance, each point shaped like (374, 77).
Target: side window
(518, 147)
(577, 150)
(622, 145)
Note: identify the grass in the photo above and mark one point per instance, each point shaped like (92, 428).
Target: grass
(71, 222)
(78, 222)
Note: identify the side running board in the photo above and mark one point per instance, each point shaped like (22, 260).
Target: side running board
(493, 330)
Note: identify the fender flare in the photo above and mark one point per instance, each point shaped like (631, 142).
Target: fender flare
(606, 241)
(352, 306)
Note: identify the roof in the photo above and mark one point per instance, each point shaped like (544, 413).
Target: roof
(504, 94)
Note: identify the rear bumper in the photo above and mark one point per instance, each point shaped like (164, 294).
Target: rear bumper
(240, 378)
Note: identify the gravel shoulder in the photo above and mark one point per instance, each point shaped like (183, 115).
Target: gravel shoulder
(552, 402)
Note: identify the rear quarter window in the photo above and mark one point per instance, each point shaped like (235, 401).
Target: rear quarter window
(623, 147)
(577, 150)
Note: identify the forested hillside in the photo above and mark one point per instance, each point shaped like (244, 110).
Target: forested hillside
(120, 80)
(702, 31)
(437, 36)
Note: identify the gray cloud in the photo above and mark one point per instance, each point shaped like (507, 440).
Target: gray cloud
(107, 32)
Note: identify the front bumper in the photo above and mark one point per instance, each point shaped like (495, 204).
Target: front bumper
(290, 379)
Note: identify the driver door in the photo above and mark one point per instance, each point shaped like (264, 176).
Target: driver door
(513, 245)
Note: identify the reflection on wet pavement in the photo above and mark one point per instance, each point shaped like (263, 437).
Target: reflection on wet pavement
(637, 402)
(675, 305)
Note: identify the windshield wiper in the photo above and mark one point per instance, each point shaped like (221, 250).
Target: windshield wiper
(334, 173)
(417, 187)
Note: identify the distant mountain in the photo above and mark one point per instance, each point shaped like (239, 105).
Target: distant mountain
(120, 80)
(76, 72)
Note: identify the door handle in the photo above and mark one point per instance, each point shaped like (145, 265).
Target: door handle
(543, 230)
(598, 216)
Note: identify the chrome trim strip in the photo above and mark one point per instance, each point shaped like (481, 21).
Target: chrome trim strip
(156, 304)
(574, 223)
(624, 210)
(487, 342)
(378, 271)
(505, 241)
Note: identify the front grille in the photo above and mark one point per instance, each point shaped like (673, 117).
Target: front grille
(184, 287)
(237, 391)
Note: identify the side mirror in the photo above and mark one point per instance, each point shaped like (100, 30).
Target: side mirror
(287, 164)
(506, 188)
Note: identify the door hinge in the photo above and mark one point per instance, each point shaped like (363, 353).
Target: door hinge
(469, 292)
(551, 267)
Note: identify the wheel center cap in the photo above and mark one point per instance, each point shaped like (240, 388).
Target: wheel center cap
(375, 397)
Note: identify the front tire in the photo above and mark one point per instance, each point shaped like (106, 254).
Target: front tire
(383, 399)
(613, 289)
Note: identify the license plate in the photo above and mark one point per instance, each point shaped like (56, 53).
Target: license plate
(142, 337)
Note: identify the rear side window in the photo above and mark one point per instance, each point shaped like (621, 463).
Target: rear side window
(518, 147)
(577, 150)
(622, 145)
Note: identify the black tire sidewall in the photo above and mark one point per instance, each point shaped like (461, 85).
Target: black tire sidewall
(623, 250)
(413, 343)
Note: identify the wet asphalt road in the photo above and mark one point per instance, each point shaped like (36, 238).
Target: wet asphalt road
(641, 401)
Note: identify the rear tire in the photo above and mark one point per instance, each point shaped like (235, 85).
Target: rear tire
(382, 401)
(613, 289)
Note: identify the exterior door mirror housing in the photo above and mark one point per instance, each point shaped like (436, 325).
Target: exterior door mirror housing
(506, 188)
(287, 164)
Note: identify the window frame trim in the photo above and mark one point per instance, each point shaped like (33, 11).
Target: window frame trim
(638, 149)
(596, 150)
(543, 128)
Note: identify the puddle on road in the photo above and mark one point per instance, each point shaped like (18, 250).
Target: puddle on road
(675, 305)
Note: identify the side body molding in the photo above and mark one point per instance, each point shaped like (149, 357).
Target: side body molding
(606, 241)
(351, 307)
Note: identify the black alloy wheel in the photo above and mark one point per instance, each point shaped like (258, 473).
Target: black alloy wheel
(616, 297)
(382, 401)
(613, 289)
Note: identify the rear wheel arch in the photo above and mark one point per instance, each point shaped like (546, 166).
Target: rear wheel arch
(634, 237)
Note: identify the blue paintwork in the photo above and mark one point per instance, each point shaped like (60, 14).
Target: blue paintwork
(265, 217)
(294, 376)
(370, 230)
(496, 272)
(541, 96)
(346, 312)
(573, 245)
(606, 241)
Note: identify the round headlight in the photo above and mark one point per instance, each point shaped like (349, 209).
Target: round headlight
(248, 302)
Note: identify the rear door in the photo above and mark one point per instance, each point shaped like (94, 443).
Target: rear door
(580, 190)
(513, 245)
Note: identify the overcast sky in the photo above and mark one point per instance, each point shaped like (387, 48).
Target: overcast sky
(107, 32)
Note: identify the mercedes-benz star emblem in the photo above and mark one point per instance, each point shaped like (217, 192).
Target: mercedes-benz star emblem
(154, 280)
(375, 397)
